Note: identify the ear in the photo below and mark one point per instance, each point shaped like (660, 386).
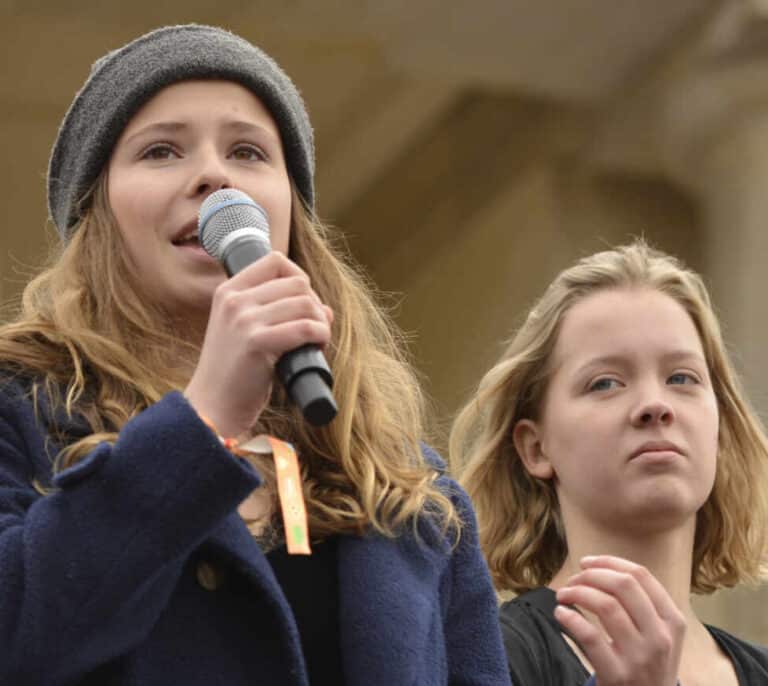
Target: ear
(527, 438)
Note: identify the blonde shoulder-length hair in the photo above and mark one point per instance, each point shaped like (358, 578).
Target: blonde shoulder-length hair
(94, 347)
(521, 530)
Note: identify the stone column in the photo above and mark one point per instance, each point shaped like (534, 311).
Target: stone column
(717, 145)
(724, 157)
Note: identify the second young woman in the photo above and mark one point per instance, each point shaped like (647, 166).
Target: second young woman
(616, 467)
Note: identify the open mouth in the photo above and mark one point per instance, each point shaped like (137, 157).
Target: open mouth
(188, 241)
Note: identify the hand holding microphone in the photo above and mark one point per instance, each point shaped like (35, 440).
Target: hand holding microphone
(265, 318)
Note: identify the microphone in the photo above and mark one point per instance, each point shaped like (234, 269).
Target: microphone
(234, 229)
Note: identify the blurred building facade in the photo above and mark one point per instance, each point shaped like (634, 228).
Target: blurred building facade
(467, 151)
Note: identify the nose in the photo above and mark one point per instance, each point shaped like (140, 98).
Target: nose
(210, 175)
(650, 412)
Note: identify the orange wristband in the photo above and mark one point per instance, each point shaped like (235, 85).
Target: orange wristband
(230, 444)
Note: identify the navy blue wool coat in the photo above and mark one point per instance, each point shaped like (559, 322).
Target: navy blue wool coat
(107, 581)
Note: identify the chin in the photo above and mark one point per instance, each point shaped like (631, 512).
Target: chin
(660, 511)
(189, 305)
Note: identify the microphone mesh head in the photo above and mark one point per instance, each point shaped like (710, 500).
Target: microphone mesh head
(226, 211)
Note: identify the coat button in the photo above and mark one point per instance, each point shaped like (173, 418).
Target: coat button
(208, 576)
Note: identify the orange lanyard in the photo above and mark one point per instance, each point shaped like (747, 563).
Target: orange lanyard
(291, 497)
(289, 490)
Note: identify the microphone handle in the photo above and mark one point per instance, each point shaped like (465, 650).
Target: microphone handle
(304, 371)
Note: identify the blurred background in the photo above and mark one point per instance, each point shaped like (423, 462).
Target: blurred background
(469, 150)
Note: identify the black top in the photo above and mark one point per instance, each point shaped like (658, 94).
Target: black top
(538, 655)
(310, 584)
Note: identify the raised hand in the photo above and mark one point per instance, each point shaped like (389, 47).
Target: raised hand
(260, 313)
(640, 637)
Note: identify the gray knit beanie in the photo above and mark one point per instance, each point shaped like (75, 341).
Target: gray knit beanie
(123, 80)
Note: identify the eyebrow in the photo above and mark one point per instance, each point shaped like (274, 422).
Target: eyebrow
(169, 127)
(157, 127)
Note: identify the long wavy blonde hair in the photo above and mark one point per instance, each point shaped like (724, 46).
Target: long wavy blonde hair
(521, 530)
(95, 348)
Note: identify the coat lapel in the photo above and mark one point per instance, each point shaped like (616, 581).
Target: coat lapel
(389, 609)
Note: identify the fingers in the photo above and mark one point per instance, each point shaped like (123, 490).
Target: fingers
(285, 324)
(328, 314)
(273, 265)
(279, 286)
(589, 637)
(278, 311)
(657, 594)
(275, 340)
(643, 629)
(269, 319)
(277, 289)
(617, 598)
(614, 609)
(256, 316)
